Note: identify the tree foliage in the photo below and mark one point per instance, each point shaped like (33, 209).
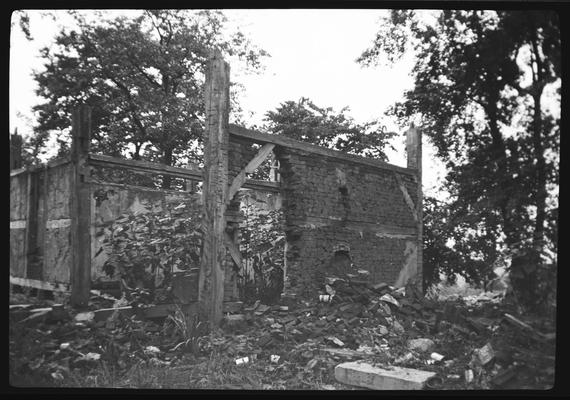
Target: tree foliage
(305, 121)
(143, 77)
(262, 244)
(480, 79)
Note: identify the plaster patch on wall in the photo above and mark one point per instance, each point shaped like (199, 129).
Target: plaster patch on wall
(393, 235)
(21, 224)
(410, 268)
(58, 223)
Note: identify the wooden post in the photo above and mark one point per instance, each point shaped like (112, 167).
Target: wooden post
(80, 207)
(33, 269)
(214, 191)
(15, 151)
(414, 156)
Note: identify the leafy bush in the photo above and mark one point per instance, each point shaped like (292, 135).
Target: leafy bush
(145, 249)
(262, 247)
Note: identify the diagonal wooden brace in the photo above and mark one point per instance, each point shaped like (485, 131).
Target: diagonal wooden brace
(407, 197)
(233, 249)
(240, 179)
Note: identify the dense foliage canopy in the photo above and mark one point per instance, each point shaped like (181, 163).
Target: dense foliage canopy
(482, 81)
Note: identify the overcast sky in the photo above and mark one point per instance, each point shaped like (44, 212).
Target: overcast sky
(313, 55)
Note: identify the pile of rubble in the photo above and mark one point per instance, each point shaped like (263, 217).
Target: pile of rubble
(351, 319)
(351, 332)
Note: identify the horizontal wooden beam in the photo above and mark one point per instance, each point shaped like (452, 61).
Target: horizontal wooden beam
(34, 168)
(284, 141)
(192, 172)
(106, 161)
(126, 186)
(33, 283)
(267, 186)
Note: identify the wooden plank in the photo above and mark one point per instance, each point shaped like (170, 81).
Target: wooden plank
(216, 143)
(365, 375)
(80, 206)
(407, 197)
(259, 137)
(251, 166)
(33, 270)
(18, 171)
(36, 284)
(29, 211)
(146, 166)
(266, 186)
(155, 311)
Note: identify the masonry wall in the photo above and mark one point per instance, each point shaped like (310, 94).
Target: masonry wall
(336, 205)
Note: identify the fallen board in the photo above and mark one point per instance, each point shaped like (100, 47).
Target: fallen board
(365, 375)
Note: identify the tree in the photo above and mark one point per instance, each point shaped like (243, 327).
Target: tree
(303, 120)
(143, 77)
(470, 100)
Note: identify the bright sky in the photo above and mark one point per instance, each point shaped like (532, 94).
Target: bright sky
(313, 55)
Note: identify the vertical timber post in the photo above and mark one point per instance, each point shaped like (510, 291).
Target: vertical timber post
(80, 208)
(414, 156)
(15, 151)
(214, 191)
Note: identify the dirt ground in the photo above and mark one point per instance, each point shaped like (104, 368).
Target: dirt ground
(475, 343)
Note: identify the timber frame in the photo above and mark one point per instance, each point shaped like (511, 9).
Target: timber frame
(220, 240)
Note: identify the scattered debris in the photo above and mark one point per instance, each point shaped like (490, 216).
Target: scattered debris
(361, 324)
(84, 316)
(242, 360)
(530, 329)
(151, 350)
(389, 299)
(336, 341)
(405, 358)
(325, 298)
(484, 355)
(424, 345)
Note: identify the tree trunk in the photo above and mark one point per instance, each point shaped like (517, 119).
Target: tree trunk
(500, 157)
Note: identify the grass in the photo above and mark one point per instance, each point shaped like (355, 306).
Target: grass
(214, 372)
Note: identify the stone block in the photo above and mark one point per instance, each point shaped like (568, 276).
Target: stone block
(365, 375)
